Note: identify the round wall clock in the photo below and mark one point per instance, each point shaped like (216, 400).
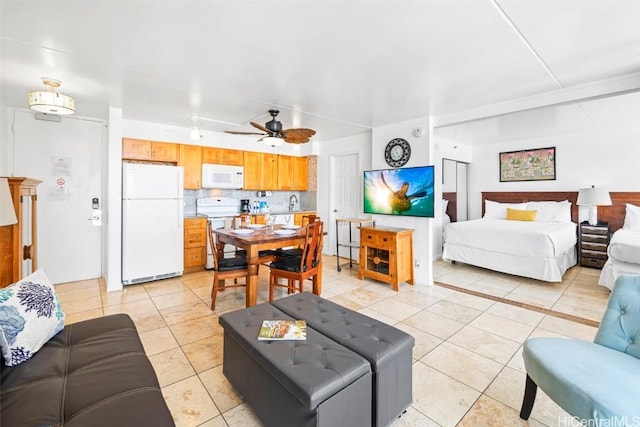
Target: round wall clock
(397, 152)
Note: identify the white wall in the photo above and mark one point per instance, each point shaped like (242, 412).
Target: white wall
(607, 159)
(445, 149)
(421, 154)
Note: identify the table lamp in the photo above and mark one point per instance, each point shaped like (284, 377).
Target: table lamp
(7, 212)
(593, 197)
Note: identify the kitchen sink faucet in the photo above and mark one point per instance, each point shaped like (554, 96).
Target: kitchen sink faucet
(292, 201)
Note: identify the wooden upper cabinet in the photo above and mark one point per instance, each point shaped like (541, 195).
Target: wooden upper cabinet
(292, 173)
(270, 171)
(164, 151)
(222, 156)
(260, 171)
(190, 158)
(136, 149)
(253, 170)
(140, 149)
(300, 178)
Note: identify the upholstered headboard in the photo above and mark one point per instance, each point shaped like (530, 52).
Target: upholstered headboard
(614, 214)
(533, 196)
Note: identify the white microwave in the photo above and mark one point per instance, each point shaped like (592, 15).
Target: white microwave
(222, 176)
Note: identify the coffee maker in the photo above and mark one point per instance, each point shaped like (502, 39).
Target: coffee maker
(245, 206)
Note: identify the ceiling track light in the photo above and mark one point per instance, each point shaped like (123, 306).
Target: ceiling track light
(51, 102)
(195, 133)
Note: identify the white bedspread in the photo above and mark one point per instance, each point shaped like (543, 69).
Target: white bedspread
(625, 246)
(521, 238)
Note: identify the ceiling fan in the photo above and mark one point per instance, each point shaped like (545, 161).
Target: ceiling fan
(273, 129)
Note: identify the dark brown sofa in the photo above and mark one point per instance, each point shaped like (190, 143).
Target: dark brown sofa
(93, 373)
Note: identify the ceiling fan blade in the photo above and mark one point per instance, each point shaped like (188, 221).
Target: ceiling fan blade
(298, 136)
(233, 132)
(262, 128)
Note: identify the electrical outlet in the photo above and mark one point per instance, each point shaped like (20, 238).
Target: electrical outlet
(417, 263)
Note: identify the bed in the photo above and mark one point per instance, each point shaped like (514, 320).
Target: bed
(543, 249)
(624, 246)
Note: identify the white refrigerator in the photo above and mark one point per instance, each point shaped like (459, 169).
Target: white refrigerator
(152, 222)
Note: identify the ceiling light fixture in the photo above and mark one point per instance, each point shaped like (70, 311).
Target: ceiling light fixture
(272, 141)
(51, 102)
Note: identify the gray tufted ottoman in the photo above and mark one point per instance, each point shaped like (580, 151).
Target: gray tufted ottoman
(316, 382)
(388, 349)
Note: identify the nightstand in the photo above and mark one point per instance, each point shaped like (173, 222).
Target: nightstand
(593, 240)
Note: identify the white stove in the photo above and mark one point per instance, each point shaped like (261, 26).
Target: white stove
(220, 211)
(218, 207)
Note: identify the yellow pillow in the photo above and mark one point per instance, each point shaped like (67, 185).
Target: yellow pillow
(521, 215)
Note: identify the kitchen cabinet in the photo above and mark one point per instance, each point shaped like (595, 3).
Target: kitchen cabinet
(139, 149)
(386, 254)
(18, 242)
(190, 158)
(292, 173)
(222, 156)
(260, 171)
(195, 244)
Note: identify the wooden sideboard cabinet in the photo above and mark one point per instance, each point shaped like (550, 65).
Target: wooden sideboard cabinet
(386, 254)
(19, 241)
(195, 244)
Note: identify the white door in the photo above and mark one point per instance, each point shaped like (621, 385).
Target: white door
(67, 157)
(347, 200)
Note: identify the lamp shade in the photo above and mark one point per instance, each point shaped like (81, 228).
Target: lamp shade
(272, 141)
(593, 197)
(7, 212)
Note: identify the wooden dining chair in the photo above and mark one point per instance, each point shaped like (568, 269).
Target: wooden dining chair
(224, 269)
(296, 269)
(297, 251)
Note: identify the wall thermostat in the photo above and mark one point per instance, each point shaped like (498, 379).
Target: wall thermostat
(417, 132)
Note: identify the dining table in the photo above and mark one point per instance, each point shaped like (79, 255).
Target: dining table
(255, 239)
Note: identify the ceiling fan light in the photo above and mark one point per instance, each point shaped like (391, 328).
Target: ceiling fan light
(51, 102)
(272, 141)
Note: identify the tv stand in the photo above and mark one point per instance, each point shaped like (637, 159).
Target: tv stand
(386, 254)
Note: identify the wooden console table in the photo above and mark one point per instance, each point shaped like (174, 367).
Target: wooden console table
(386, 254)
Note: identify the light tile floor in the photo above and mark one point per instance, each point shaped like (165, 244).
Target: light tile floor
(467, 368)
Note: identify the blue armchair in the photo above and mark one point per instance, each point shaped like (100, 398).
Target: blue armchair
(600, 381)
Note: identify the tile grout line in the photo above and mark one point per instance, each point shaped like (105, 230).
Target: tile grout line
(531, 307)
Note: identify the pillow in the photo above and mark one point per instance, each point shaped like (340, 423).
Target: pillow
(521, 215)
(499, 210)
(30, 314)
(552, 211)
(445, 205)
(632, 218)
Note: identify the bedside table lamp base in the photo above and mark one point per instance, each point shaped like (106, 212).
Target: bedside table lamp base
(593, 215)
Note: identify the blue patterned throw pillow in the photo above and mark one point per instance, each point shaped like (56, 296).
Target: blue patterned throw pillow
(30, 314)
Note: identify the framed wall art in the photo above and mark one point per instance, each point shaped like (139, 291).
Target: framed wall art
(528, 165)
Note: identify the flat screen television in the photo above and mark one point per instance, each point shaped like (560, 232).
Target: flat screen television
(402, 191)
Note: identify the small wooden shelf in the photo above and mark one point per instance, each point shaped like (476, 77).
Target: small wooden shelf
(386, 254)
(351, 244)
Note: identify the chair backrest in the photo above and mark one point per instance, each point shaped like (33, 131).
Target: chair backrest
(620, 325)
(312, 247)
(214, 245)
(309, 218)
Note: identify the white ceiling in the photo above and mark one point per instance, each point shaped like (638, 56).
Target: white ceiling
(340, 67)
